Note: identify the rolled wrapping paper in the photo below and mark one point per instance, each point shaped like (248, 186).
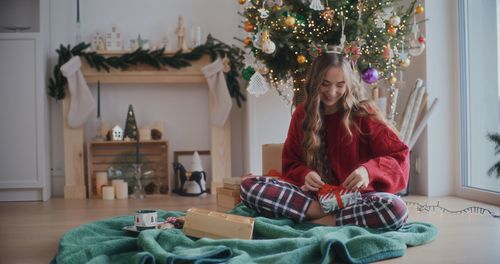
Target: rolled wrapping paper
(121, 190)
(101, 178)
(145, 134)
(108, 193)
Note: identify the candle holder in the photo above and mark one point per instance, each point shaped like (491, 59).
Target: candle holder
(99, 127)
(138, 188)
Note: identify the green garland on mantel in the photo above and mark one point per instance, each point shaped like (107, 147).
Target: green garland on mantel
(155, 58)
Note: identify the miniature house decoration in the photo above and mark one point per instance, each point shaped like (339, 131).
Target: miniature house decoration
(114, 39)
(98, 42)
(117, 133)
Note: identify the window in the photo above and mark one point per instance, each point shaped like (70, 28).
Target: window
(480, 95)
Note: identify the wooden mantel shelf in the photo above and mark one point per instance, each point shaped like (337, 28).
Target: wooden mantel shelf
(146, 74)
(74, 137)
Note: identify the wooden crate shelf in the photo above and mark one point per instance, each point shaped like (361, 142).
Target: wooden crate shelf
(120, 154)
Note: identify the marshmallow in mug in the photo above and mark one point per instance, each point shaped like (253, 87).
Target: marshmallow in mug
(145, 219)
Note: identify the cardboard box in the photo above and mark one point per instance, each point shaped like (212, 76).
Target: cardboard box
(227, 199)
(205, 223)
(271, 157)
(232, 183)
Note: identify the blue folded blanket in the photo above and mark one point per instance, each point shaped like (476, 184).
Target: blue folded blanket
(275, 241)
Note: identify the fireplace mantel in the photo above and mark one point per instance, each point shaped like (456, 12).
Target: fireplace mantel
(75, 187)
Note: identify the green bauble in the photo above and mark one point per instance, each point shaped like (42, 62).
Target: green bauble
(247, 73)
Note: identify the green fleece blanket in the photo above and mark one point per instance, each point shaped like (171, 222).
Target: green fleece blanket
(275, 241)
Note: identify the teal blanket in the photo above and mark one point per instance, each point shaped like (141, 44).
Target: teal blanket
(275, 241)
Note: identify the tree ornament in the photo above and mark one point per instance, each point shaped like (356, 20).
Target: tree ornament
(369, 75)
(316, 5)
(404, 62)
(388, 11)
(249, 27)
(247, 41)
(392, 30)
(242, 2)
(395, 20)
(416, 48)
(276, 8)
(264, 13)
(268, 47)
(388, 52)
(419, 9)
(301, 59)
(258, 85)
(379, 22)
(314, 51)
(328, 16)
(247, 73)
(355, 51)
(393, 80)
(290, 21)
(264, 70)
(421, 40)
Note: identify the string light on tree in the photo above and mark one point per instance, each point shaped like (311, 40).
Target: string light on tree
(301, 29)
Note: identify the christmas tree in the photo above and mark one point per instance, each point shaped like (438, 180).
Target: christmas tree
(284, 37)
(130, 125)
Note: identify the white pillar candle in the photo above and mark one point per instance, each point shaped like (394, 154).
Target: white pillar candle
(121, 190)
(101, 178)
(115, 183)
(108, 193)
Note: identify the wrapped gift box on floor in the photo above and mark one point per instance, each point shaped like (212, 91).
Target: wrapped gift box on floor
(205, 223)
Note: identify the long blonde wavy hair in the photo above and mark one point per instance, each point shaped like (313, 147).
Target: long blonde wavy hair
(351, 103)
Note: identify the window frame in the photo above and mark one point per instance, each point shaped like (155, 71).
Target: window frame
(463, 189)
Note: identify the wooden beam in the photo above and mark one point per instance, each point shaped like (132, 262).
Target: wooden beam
(74, 184)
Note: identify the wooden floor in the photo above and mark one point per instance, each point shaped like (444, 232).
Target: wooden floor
(30, 231)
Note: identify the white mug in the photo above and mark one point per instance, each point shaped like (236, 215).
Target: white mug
(145, 219)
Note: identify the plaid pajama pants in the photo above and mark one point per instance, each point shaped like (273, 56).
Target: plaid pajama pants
(275, 198)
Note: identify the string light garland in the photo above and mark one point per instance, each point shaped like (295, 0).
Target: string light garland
(469, 210)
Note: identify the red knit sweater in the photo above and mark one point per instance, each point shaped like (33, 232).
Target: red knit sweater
(377, 148)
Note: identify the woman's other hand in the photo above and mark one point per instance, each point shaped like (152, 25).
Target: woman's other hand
(358, 179)
(312, 182)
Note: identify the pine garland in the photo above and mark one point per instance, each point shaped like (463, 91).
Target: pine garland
(155, 58)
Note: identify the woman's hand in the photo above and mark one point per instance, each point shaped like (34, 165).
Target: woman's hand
(358, 179)
(312, 182)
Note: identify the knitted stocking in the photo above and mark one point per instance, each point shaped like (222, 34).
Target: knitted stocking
(220, 98)
(82, 102)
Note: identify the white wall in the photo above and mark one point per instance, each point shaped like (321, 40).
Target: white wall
(268, 118)
(183, 108)
(438, 149)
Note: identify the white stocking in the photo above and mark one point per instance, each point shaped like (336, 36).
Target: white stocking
(82, 102)
(220, 98)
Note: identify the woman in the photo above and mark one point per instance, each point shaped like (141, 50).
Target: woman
(336, 146)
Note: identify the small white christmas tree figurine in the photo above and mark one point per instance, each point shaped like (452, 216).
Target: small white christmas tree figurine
(193, 187)
(196, 162)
